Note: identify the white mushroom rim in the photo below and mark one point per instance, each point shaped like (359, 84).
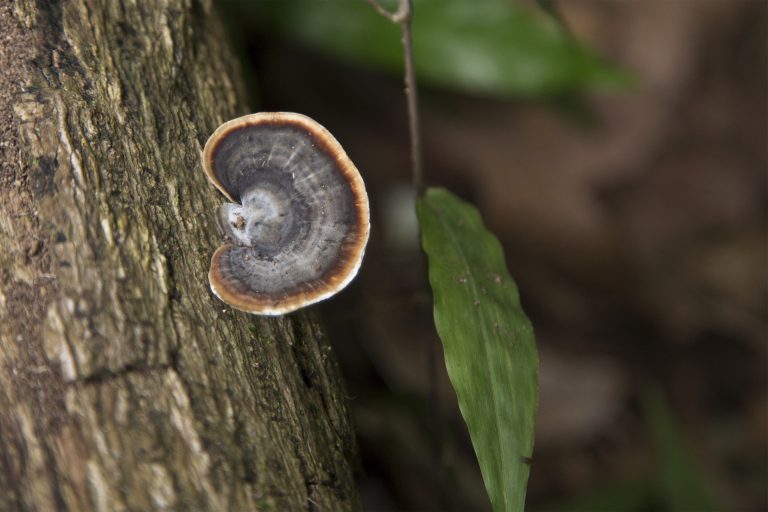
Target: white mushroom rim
(298, 221)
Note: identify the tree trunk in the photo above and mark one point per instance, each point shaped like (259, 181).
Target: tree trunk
(124, 383)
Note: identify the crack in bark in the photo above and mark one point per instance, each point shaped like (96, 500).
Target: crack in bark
(105, 375)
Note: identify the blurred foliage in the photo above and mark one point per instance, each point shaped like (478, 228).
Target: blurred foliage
(680, 482)
(490, 352)
(483, 47)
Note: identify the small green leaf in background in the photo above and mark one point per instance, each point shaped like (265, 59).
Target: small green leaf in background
(490, 352)
(681, 483)
(485, 47)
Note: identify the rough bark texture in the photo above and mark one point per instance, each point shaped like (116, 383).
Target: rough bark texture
(124, 384)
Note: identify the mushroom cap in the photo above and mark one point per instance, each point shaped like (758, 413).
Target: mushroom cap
(298, 223)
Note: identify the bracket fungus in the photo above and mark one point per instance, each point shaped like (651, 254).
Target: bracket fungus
(298, 223)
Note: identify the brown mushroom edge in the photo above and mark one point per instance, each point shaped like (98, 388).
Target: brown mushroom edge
(335, 278)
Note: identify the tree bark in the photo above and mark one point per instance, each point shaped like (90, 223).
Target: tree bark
(124, 383)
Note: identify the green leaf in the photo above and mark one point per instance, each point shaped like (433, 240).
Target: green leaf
(681, 482)
(486, 47)
(490, 352)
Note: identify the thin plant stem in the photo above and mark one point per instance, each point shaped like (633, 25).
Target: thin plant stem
(403, 17)
(403, 11)
(412, 97)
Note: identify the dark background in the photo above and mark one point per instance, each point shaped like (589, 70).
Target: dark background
(634, 222)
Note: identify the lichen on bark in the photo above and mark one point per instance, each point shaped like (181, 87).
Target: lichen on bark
(124, 383)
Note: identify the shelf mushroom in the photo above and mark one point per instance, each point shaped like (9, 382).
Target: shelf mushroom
(298, 223)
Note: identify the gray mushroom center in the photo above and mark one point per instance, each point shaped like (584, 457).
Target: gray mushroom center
(271, 218)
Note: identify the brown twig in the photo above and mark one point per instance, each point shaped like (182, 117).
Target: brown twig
(403, 11)
(403, 17)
